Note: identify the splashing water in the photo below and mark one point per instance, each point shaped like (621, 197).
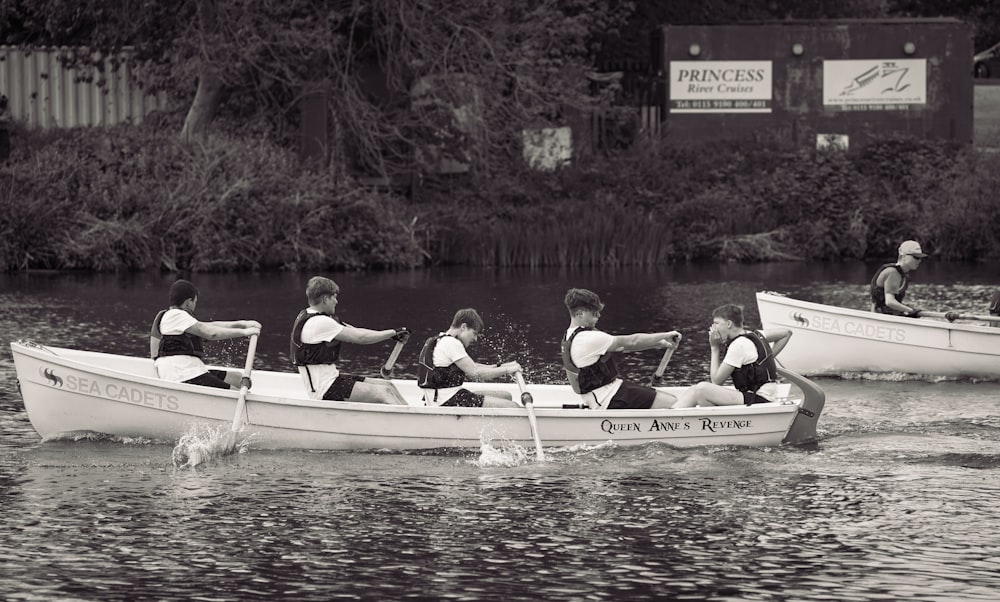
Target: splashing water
(203, 443)
(507, 456)
(896, 377)
(504, 339)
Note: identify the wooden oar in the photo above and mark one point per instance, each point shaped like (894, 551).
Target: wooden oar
(951, 316)
(241, 400)
(386, 370)
(657, 378)
(529, 402)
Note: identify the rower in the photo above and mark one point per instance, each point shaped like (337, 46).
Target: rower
(888, 286)
(175, 341)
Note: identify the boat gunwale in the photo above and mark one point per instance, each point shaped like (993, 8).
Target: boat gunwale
(43, 352)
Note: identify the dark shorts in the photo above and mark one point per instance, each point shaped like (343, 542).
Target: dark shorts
(212, 378)
(632, 397)
(750, 398)
(341, 388)
(464, 398)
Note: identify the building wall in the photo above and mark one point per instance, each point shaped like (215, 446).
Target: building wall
(42, 93)
(812, 82)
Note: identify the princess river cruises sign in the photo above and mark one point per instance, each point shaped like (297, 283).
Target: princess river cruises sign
(720, 86)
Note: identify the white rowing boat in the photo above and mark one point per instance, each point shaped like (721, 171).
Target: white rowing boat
(67, 392)
(835, 340)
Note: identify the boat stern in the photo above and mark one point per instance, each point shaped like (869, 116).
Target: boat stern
(803, 429)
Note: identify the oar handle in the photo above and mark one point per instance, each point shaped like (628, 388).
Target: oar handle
(658, 374)
(528, 402)
(248, 366)
(386, 370)
(951, 316)
(241, 399)
(526, 397)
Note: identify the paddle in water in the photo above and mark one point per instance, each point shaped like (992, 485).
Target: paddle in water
(529, 403)
(657, 379)
(196, 447)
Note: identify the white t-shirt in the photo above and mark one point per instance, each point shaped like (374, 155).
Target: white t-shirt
(587, 347)
(447, 351)
(741, 352)
(178, 368)
(318, 330)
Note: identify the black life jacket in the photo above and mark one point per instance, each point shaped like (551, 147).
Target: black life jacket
(307, 354)
(878, 292)
(586, 379)
(175, 344)
(750, 377)
(430, 376)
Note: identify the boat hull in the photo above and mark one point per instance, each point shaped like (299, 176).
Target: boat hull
(67, 392)
(829, 340)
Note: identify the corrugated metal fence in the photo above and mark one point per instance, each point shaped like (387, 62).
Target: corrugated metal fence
(640, 90)
(42, 93)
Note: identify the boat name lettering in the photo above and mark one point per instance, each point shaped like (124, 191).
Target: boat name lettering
(707, 424)
(861, 329)
(609, 426)
(117, 392)
(660, 425)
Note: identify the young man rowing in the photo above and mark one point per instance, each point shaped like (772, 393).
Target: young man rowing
(317, 336)
(588, 357)
(175, 341)
(445, 364)
(888, 287)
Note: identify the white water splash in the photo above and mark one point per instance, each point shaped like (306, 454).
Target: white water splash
(895, 377)
(92, 436)
(507, 456)
(203, 443)
(496, 451)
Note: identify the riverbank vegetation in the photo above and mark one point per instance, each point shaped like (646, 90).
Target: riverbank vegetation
(135, 198)
(221, 179)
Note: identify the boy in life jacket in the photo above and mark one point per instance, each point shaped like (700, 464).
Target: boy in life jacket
(888, 286)
(445, 364)
(317, 336)
(588, 358)
(745, 355)
(175, 341)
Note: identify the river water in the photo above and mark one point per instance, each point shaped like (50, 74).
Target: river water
(897, 500)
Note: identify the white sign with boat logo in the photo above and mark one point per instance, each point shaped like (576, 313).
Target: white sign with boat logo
(875, 85)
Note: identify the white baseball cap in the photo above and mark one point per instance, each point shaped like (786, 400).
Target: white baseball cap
(911, 247)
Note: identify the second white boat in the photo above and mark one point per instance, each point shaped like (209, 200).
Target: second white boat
(829, 340)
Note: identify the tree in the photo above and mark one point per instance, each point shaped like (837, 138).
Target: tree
(487, 69)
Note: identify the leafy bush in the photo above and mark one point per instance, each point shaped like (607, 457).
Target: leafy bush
(752, 200)
(134, 198)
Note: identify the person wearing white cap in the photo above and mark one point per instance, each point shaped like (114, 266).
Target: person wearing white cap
(889, 284)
